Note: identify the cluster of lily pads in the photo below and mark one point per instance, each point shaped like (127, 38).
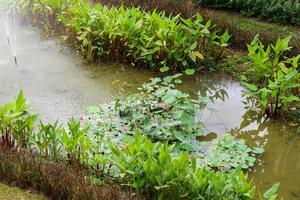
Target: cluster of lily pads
(147, 141)
(166, 114)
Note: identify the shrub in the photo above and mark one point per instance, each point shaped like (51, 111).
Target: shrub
(274, 78)
(70, 163)
(242, 29)
(287, 12)
(153, 39)
(16, 123)
(154, 172)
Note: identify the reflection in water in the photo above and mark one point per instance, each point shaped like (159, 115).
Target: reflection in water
(60, 86)
(207, 137)
(226, 100)
(281, 160)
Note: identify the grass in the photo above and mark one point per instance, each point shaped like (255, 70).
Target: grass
(244, 29)
(14, 193)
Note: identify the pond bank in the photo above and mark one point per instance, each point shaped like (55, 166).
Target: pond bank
(7, 193)
(60, 86)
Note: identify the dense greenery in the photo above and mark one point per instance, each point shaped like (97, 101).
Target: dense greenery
(131, 35)
(153, 170)
(136, 160)
(242, 28)
(274, 78)
(6, 4)
(282, 11)
(166, 114)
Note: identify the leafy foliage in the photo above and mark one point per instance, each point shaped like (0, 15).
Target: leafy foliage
(228, 152)
(131, 35)
(159, 110)
(275, 78)
(16, 123)
(165, 114)
(281, 11)
(154, 172)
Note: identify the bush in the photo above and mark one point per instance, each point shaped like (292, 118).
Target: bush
(281, 11)
(69, 163)
(152, 39)
(154, 172)
(242, 29)
(274, 78)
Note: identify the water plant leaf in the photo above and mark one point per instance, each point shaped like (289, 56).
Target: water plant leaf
(270, 193)
(164, 69)
(251, 87)
(257, 150)
(189, 71)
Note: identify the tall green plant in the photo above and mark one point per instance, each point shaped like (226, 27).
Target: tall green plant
(47, 140)
(16, 122)
(274, 78)
(151, 39)
(151, 170)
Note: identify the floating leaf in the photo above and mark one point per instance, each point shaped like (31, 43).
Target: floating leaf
(257, 150)
(189, 71)
(164, 69)
(178, 81)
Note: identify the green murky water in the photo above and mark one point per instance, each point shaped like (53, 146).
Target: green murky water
(61, 86)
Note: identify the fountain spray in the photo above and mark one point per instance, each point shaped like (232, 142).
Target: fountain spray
(7, 24)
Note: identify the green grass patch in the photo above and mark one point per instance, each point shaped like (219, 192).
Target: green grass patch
(9, 193)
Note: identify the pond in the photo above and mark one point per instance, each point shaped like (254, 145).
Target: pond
(60, 86)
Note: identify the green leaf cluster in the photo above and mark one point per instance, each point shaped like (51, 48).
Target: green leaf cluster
(159, 110)
(228, 152)
(131, 35)
(281, 11)
(154, 172)
(274, 78)
(154, 169)
(16, 121)
(166, 114)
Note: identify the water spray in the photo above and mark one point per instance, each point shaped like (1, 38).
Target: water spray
(8, 20)
(16, 61)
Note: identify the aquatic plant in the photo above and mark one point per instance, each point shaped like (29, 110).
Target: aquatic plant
(152, 39)
(159, 110)
(274, 78)
(229, 152)
(166, 114)
(242, 29)
(47, 140)
(16, 123)
(153, 171)
(80, 157)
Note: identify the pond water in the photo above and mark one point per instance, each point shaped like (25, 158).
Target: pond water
(60, 85)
